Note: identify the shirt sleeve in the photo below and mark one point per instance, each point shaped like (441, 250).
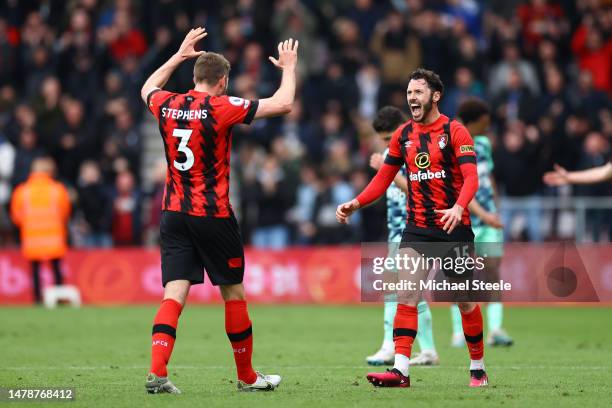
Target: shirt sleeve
(463, 147)
(462, 143)
(489, 151)
(155, 99)
(231, 110)
(394, 155)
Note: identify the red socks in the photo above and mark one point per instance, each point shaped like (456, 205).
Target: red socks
(240, 334)
(237, 326)
(405, 327)
(164, 334)
(472, 328)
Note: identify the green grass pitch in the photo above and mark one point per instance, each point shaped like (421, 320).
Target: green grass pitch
(562, 357)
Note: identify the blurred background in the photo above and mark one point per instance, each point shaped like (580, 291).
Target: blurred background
(71, 72)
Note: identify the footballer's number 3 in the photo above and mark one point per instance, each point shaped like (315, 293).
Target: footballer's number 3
(184, 134)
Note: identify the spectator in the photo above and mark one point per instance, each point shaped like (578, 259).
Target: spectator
(302, 214)
(465, 87)
(38, 66)
(500, 77)
(516, 102)
(299, 133)
(594, 53)
(366, 14)
(595, 153)
(40, 209)
(554, 100)
(260, 72)
(76, 42)
(127, 138)
(48, 112)
(126, 223)
(27, 152)
(291, 19)
(95, 206)
(469, 56)
(122, 38)
(397, 48)
(589, 100)
(76, 140)
(8, 54)
(7, 159)
(516, 164)
(368, 82)
(156, 195)
(334, 192)
(272, 203)
(540, 18)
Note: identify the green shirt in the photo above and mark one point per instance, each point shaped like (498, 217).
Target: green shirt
(484, 162)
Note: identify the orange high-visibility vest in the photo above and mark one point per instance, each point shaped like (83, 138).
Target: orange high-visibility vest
(40, 208)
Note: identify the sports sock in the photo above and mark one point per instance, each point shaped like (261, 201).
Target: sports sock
(456, 319)
(472, 329)
(240, 333)
(405, 327)
(425, 336)
(477, 365)
(390, 308)
(495, 315)
(164, 334)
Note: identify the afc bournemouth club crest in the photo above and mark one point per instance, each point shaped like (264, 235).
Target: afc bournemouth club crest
(442, 140)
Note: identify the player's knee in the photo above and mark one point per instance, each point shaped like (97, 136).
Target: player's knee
(466, 307)
(177, 290)
(232, 292)
(408, 300)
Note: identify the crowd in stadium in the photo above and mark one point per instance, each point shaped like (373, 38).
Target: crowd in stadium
(71, 72)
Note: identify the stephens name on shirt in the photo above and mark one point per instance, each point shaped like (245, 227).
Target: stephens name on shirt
(180, 114)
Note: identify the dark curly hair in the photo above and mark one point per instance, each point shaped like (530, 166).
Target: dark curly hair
(433, 80)
(472, 109)
(388, 119)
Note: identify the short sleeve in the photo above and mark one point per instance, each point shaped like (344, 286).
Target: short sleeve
(231, 110)
(155, 99)
(394, 155)
(462, 143)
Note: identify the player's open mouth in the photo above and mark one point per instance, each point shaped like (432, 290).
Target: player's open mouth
(416, 109)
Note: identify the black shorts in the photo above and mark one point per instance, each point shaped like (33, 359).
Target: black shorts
(190, 244)
(435, 242)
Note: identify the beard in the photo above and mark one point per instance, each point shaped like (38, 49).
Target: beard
(425, 110)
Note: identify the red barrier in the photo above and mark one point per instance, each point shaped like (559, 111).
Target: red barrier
(122, 276)
(296, 275)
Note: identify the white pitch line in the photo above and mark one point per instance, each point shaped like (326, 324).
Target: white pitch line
(204, 367)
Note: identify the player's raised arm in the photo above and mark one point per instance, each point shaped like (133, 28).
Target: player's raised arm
(282, 101)
(186, 51)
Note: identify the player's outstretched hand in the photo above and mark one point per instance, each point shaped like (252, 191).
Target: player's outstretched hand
(344, 211)
(557, 177)
(451, 217)
(376, 161)
(287, 55)
(187, 49)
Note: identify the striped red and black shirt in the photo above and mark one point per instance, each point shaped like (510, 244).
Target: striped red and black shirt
(196, 129)
(437, 158)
